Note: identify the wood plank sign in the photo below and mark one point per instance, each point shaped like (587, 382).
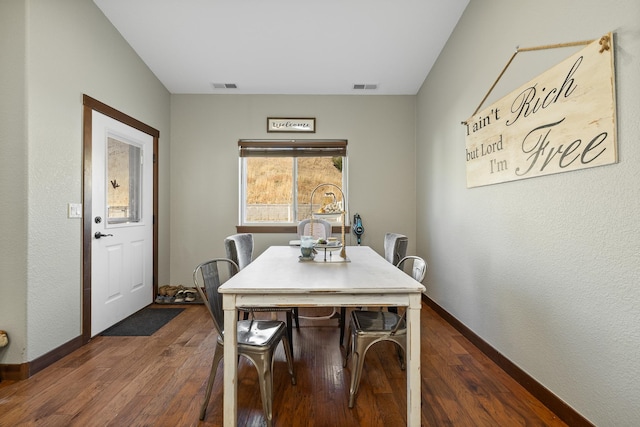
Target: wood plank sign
(563, 120)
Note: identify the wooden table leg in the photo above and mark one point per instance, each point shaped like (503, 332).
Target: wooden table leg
(230, 361)
(414, 411)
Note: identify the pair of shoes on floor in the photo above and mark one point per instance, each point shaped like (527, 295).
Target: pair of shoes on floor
(185, 295)
(167, 294)
(168, 290)
(175, 294)
(164, 299)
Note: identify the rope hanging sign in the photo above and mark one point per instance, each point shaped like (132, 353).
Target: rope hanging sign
(562, 120)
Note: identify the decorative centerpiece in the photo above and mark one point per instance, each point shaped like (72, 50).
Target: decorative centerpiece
(330, 206)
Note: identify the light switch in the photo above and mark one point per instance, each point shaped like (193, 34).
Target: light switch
(75, 210)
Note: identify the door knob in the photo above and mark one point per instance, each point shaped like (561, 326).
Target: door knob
(99, 235)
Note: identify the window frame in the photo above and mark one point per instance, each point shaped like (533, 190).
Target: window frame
(289, 148)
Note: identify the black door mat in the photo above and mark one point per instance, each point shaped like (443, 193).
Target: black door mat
(143, 323)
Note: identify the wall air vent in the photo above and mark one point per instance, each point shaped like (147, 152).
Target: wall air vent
(365, 86)
(224, 85)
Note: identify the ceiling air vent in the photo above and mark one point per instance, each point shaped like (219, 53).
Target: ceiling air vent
(224, 85)
(365, 86)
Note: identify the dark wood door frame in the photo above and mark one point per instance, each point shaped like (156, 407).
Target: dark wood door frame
(89, 105)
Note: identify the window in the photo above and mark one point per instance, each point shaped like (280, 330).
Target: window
(278, 177)
(124, 189)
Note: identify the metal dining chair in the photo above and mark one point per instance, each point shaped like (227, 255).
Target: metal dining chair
(257, 339)
(239, 248)
(321, 228)
(395, 249)
(371, 327)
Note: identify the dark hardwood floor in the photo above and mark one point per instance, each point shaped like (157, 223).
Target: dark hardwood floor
(160, 381)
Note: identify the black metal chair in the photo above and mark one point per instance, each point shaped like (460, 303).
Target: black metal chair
(257, 339)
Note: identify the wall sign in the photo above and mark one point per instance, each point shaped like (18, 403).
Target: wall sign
(278, 124)
(563, 120)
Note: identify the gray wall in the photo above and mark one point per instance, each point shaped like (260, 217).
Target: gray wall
(58, 51)
(546, 270)
(13, 179)
(205, 130)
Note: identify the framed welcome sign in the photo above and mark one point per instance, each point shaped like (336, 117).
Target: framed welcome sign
(280, 124)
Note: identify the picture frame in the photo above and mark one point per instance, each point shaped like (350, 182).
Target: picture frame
(291, 124)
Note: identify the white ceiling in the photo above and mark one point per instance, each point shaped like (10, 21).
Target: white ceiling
(319, 47)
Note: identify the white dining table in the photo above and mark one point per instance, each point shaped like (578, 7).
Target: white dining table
(278, 278)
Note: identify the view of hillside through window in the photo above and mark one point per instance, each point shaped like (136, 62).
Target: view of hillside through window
(270, 186)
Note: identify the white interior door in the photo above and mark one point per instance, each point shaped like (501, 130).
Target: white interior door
(122, 223)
